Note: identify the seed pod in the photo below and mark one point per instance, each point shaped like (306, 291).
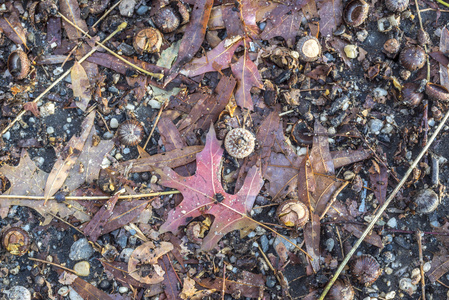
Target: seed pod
(309, 48)
(148, 40)
(301, 133)
(239, 142)
(130, 132)
(411, 95)
(366, 269)
(426, 201)
(437, 92)
(16, 241)
(412, 58)
(355, 12)
(195, 232)
(397, 5)
(391, 48)
(341, 290)
(293, 213)
(18, 64)
(166, 20)
(423, 37)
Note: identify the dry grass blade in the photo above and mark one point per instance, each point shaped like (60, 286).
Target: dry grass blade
(383, 207)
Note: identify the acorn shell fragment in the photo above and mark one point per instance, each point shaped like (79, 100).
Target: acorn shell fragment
(437, 92)
(293, 213)
(309, 48)
(341, 290)
(16, 241)
(426, 201)
(355, 12)
(239, 142)
(18, 64)
(366, 269)
(130, 132)
(148, 40)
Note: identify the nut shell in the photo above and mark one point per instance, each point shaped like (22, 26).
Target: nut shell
(355, 12)
(366, 269)
(18, 64)
(309, 48)
(130, 132)
(437, 92)
(341, 290)
(293, 213)
(391, 48)
(412, 58)
(166, 20)
(410, 94)
(16, 241)
(423, 37)
(239, 142)
(148, 40)
(397, 5)
(426, 201)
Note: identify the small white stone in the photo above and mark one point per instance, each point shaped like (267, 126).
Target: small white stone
(73, 295)
(18, 293)
(53, 45)
(47, 109)
(58, 71)
(123, 289)
(392, 223)
(126, 7)
(427, 267)
(113, 123)
(50, 130)
(63, 291)
(390, 295)
(7, 135)
(69, 120)
(154, 104)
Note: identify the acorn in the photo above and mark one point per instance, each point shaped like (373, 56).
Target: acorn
(309, 48)
(148, 40)
(355, 12)
(16, 241)
(411, 95)
(426, 201)
(130, 132)
(170, 17)
(239, 142)
(412, 58)
(18, 64)
(391, 48)
(341, 290)
(301, 133)
(423, 37)
(397, 5)
(437, 92)
(293, 213)
(366, 269)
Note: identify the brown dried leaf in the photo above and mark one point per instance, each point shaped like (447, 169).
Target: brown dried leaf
(171, 280)
(330, 16)
(145, 254)
(32, 107)
(440, 265)
(378, 175)
(285, 25)
(11, 25)
(247, 76)
(444, 47)
(71, 10)
(312, 241)
(80, 86)
(194, 34)
(216, 59)
(68, 157)
(94, 229)
(89, 292)
(124, 213)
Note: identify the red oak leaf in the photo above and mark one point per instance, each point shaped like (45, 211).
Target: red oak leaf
(201, 190)
(248, 76)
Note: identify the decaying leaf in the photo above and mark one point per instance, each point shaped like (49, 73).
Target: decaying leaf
(330, 16)
(200, 190)
(11, 25)
(94, 229)
(71, 10)
(80, 86)
(378, 175)
(143, 263)
(312, 240)
(248, 76)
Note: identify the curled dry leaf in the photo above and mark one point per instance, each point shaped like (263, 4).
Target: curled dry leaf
(80, 86)
(146, 256)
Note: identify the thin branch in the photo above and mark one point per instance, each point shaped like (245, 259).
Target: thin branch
(383, 207)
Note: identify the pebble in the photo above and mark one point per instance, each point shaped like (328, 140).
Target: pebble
(376, 125)
(47, 109)
(58, 71)
(126, 151)
(426, 267)
(39, 160)
(125, 254)
(63, 291)
(81, 250)
(142, 10)
(123, 289)
(392, 223)
(271, 282)
(7, 135)
(390, 295)
(126, 7)
(154, 104)
(39, 280)
(401, 241)
(264, 243)
(113, 89)
(104, 285)
(18, 293)
(113, 123)
(82, 268)
(122, 241)
(50, 130)
(330, 243)
(73, 295)
(108, 135)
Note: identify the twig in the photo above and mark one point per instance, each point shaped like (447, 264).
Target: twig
(90, 198)
(383, 207)
(53, 264)
(419, 235)
(223, 286)
(106, 13)
(425, 47)
(442, 2)
(334, 197)
(19, 116)
(155, 75)
(154, 125)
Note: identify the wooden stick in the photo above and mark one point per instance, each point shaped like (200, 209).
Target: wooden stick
(419, 235)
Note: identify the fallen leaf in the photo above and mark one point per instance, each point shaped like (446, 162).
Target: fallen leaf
(200, 189)
(440, 265)
(378, 176)
(171, 280)
(89, 292)
(194, 33)
(11, 25)
(148, 254)
(444, 47)
(287, 27)
(93, 230)
(330, 16)
(80, 86)
(68, 157)
(312, 240)
(32, 107)
(71, 10)
(247, 76)
(216, 59)
(188, 288)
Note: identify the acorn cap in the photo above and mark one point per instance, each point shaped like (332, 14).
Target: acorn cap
(293, 213)
(18, 64)
(148, 40)
(366, 269)
(410, 94)
(412, 58)
(426, 201)
(239, 142)
(166, 19)
(130, 132)
(397, 5)
(355, 12)
(309, 48)
(437, 92)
